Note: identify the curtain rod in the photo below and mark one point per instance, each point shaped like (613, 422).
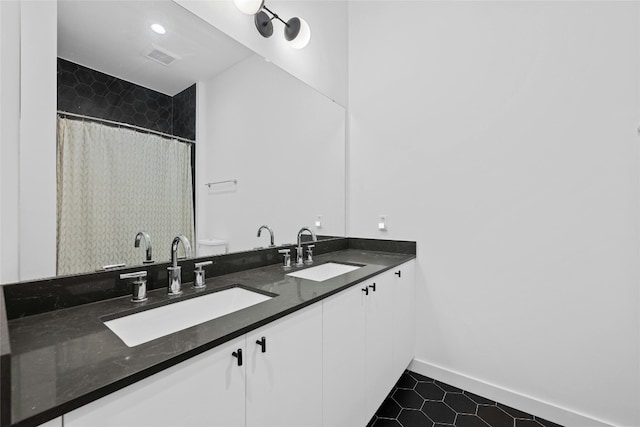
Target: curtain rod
(155, 132)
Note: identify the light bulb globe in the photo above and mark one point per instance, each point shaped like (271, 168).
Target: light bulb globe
(297, 33)
(250, 7)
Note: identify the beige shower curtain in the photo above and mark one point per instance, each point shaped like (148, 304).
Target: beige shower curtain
(113, 182)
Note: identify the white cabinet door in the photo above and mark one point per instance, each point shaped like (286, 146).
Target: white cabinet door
(404, 323)
(206, 390)
(284, 383)
(343, 317)
(380, 377)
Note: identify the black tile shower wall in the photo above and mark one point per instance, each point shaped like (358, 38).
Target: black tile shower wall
(82, 90)
(184, 113)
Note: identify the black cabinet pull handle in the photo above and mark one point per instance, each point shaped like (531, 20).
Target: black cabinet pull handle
(398, 273)
(373, 287)
(366, 291)
(238, 355)
(262, 342)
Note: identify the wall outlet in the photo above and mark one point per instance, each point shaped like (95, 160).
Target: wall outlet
(319, 221)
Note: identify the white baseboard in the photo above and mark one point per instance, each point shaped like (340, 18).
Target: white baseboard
(546, 410)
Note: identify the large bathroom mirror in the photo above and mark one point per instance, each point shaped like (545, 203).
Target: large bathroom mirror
(269, 150)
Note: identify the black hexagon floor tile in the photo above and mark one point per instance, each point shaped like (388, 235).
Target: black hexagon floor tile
(414, 418)
(383, 422)
(406, 381)
(479, 399)
(495, 416)
(447, 387)
(389, 409)
(460, 403)
(515, 413)
(429, 391)
(418, 377)
(527, 423)
(546, 423)
(439, 412)
(408, 398)
(466, 420)
(419, 401)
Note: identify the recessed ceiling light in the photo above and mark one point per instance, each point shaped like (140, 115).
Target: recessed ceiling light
(158, 28)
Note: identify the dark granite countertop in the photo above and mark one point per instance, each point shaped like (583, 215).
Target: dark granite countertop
(63, 359)
(5, 366)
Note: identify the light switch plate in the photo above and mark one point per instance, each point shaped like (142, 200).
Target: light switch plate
(382, 223)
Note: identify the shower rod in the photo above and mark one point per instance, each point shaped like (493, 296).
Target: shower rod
(127, 125)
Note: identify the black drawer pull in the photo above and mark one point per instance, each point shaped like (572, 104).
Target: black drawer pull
(373, 287)
(398, 273)
(366, 291)
(262, 342)
(238, 355)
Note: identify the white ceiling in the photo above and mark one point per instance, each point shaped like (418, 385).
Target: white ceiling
(112, 36)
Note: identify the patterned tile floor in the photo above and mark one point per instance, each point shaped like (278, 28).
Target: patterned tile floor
(419, 401)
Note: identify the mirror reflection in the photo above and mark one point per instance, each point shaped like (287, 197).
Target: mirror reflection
(267, 149)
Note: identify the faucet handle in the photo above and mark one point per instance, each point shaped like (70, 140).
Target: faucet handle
(200, 265)
(198, 283)
(139, 290)
(133, 275)
(113, 266)
(287, 258)
(309, 259)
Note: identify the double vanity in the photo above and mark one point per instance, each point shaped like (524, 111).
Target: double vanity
(258, 345)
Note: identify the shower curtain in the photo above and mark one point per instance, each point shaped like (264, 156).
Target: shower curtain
(113, 182)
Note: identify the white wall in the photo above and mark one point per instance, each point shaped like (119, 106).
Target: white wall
(38, 52)
(502, 137)
(28, 140)
(322, 63)
(284, 143)
(9, 138)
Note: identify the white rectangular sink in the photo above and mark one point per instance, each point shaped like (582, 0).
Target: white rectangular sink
(148, 325)
(324, 272)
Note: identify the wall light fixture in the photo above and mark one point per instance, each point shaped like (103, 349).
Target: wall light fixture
(296, 30)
